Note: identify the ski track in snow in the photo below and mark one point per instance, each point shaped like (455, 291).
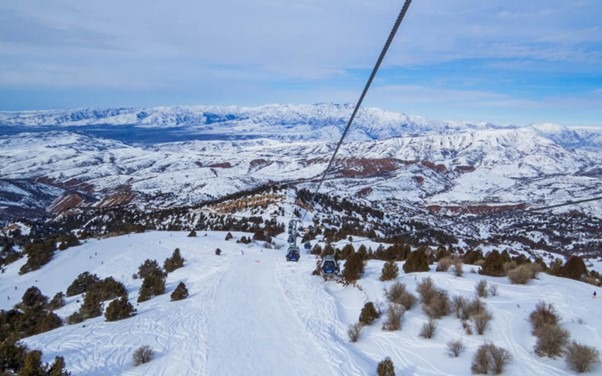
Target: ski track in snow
(316, 310)
(502, 323)
(411, 353)
(264, 324)
(177, 331)
(253, 313)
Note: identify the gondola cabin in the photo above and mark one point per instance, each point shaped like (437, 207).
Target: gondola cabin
(293, 253)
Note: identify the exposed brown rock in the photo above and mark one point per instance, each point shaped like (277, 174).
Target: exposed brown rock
(117, 199)
(65, 202)
(437, 167)
(220, 165)
(258, 164)
(364, 192)
(232, 206)
(71, 184)
(464, 169)
(313, 161)
(359, 167)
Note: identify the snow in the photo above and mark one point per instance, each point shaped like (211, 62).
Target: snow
(547, 127)
(296, 141)
(481, 186)
(251, 312)
(256, 326)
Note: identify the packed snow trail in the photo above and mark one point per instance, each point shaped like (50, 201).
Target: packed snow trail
(252, 329)
(250, 313)
(176, 331)
(318, 312)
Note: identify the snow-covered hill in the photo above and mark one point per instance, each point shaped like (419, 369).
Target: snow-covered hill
(306, 121)
(320, 122)
(250, 312)
(466, 166)
(169, 157)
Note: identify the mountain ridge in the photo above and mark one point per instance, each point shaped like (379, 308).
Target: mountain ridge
(430, 171)
(285, 122)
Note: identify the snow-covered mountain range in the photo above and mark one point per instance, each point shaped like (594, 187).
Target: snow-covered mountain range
(308, 121)
(105, 172)
(221, 150)
(319, 122)
(407, 167)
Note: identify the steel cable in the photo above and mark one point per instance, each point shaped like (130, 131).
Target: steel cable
(381, 57)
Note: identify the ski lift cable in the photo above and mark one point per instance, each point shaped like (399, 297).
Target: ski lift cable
(400, 17)
(354, 113)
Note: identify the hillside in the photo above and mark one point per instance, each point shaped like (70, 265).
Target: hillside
(251, 312)
(317, 122)
(206, 152)
(437, 173)
(288, 121)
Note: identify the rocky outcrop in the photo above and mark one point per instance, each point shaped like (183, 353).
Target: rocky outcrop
(464, 169)
(359, 167)
(221, 165)
(437, 167)
(258, 164)
(65, 202)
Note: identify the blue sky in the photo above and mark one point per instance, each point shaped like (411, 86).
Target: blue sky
(506, 62)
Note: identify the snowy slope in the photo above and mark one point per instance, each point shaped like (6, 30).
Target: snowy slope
(250, 312)
(223, 150)
(198, 170)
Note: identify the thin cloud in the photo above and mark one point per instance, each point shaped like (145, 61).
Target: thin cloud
(18, 30)
(242, 52)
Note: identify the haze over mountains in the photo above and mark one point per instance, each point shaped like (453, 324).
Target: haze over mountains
(322, 122)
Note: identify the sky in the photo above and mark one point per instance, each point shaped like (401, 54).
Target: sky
(505, 62)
